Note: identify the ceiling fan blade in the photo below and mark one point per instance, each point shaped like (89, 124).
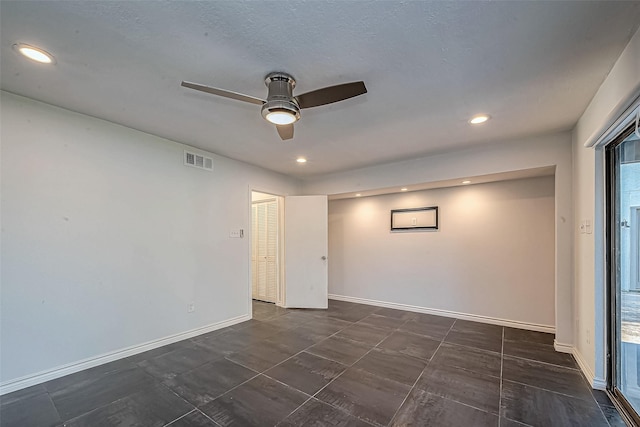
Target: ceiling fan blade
(285, 131)
(222, 92)
(331, 94)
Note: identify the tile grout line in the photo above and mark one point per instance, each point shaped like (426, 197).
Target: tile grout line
(349, 339)
(180, 417)
(297, 407)
(258, 373)
(170, 390)
(54, 406)
(292, 356)
(413, 386)
(602, 411)
(605, 416)
(209, 418)
(154, 382)
(544, 363)
(471, 347)
(550, 391)
(307, 348)
(349, 324)
(311, 397)
(297, 353)
(420, 376)
(450, 329)
(341, 373)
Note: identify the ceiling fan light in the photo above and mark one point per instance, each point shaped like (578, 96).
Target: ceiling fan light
(281, 112)
(281, 117)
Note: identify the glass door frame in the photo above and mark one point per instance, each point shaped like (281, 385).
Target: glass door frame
(613, 275)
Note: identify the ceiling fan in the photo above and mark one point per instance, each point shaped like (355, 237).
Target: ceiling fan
(281, 107)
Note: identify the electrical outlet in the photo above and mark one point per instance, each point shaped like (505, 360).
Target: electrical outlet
(191, 308)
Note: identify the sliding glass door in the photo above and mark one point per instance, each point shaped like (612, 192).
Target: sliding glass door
(623, 162)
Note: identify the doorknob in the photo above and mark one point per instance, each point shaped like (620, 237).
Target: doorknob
(323, 258)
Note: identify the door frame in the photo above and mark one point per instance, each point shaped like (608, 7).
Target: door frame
(256, 204)
(634, 264)
(612, 277)
(281, 291)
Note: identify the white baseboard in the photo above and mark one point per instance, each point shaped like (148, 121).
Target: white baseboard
(61, 371)
(447, 313)
(584, 366)
(595, 382)
(562, 347)
(599, 384)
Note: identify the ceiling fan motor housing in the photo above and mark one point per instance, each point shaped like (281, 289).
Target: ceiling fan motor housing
(280, 97)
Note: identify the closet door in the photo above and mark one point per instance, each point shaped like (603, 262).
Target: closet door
(265, 251)
(271, 251)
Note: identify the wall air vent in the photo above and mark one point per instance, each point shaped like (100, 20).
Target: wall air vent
(198, 161)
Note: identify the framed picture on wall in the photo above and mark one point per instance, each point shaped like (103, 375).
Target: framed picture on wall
(414, 219)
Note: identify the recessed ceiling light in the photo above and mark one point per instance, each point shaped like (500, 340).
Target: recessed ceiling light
(404, 189)
(466, 182)
(358, 195)
(479, 118)
(34, 53)
(301, 160)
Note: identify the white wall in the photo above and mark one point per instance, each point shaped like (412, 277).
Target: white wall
(543, 151)
(493, 255)
(616, 91)
(107, 237)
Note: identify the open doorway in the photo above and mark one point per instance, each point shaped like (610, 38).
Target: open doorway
(266, 248)
(294, 228)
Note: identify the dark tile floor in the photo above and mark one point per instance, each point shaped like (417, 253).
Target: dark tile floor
(350, 365)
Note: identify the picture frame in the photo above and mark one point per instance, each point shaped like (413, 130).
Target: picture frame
(415, 219)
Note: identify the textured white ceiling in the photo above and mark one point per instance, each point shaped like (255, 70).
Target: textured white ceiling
(428, 67)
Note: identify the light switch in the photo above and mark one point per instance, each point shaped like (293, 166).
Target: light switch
(236, 234)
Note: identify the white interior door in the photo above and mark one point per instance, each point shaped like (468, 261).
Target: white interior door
(264, 253)
(306, 247)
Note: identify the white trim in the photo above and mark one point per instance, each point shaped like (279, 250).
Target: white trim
(71, 368)
(448, 313)
(594, 382)
(599, 384)
(620, 117)
(562, 347)
(281, 291)
(584, 367)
